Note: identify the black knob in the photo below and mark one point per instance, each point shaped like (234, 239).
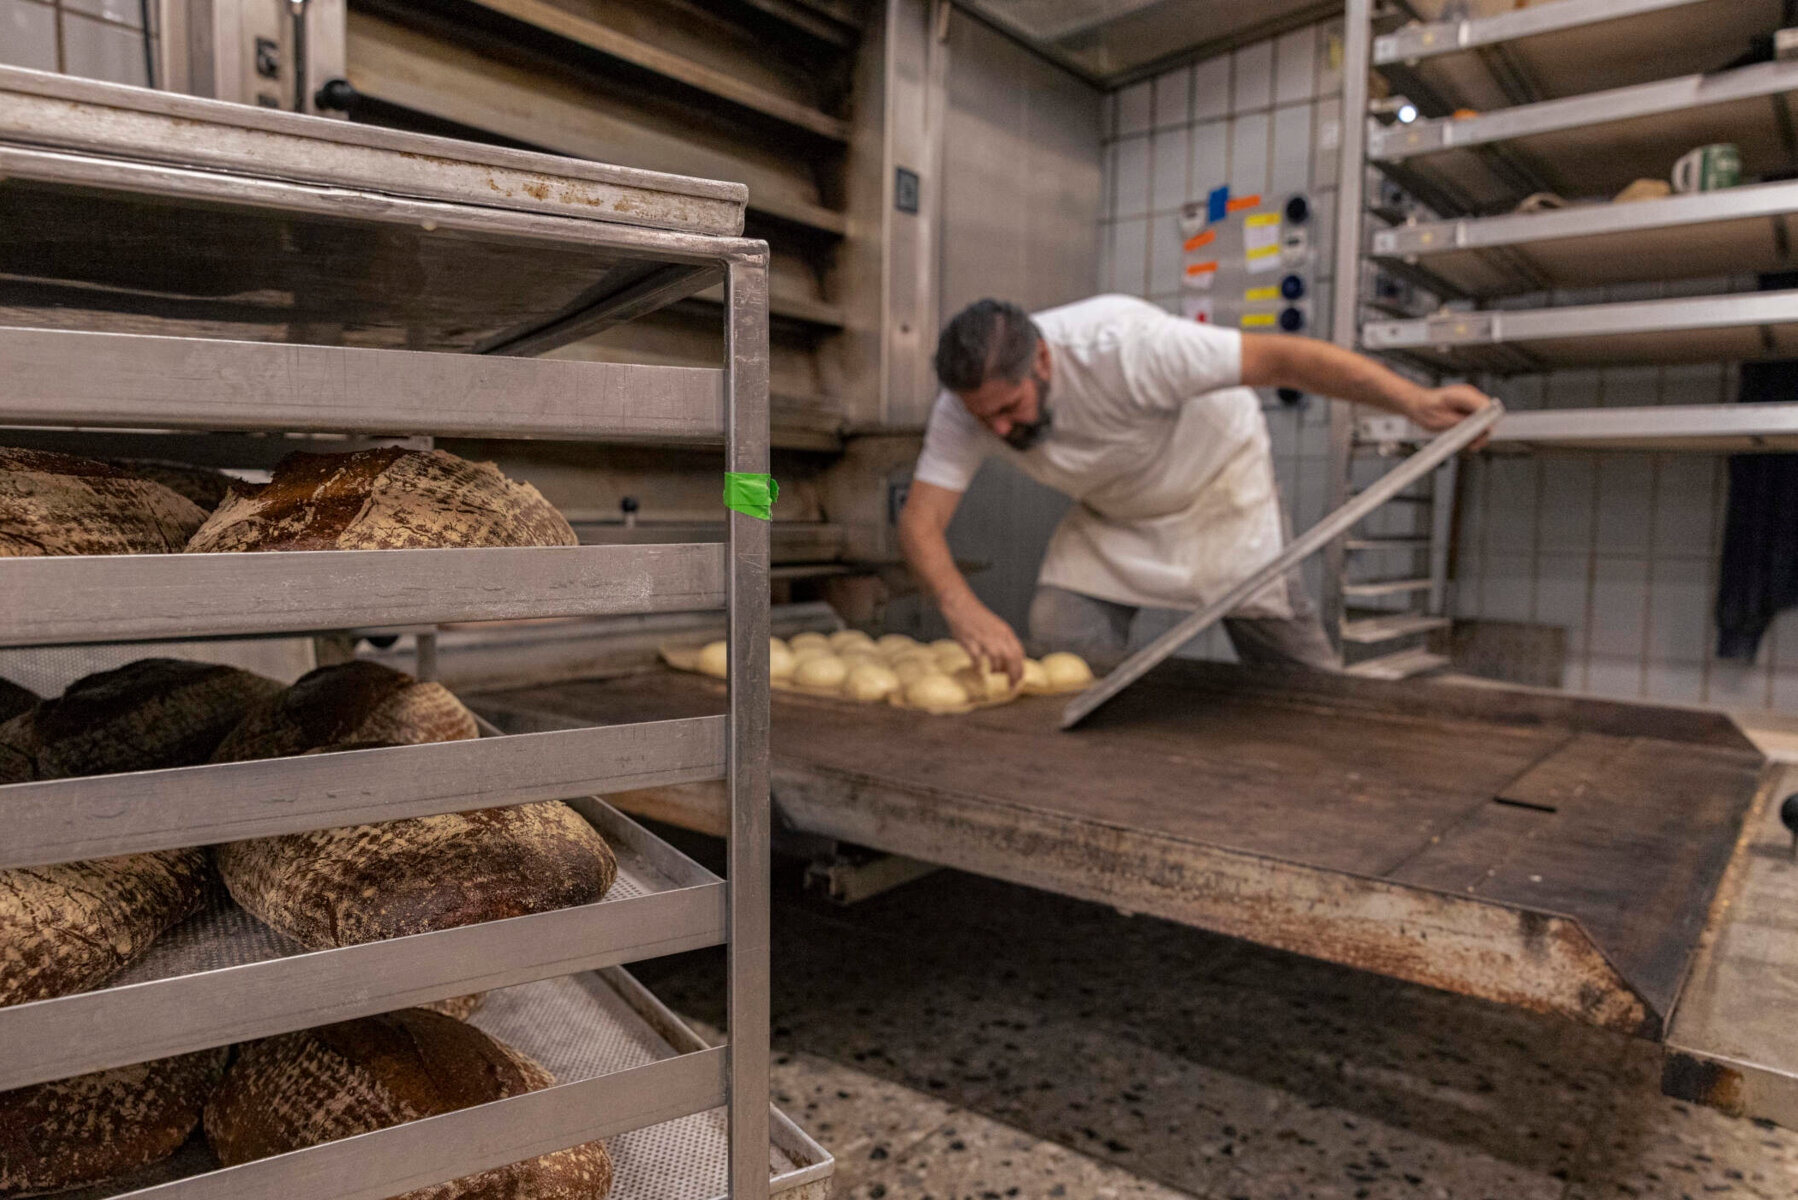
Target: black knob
(1291, 397)
(628, 504)
(1298, 210)
(335, 96)
(1292, 320)
(1293, 287)
(1788, 812)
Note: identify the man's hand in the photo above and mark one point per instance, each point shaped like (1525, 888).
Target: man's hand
(1437, 409)
(986, 637)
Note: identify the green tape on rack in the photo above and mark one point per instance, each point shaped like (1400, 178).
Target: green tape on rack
(751, 494)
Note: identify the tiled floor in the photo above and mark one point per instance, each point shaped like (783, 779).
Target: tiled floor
(961, 1039)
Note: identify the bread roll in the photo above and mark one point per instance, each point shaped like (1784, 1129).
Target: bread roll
(361, 883)
(96, 1128)
(1066, 671)
(205, 487)
(894, 644)
(714, 659)
(1035, 678)
(801, 643)
(780, 660)
(936, 693)
(844, 639)
(302, 1089)
(59, 504)
(68, 927)
(382, 500)
(821, 671)
(870, 682)
(952, 658)
(911, 668)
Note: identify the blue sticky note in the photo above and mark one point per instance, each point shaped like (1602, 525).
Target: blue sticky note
(1218, 204)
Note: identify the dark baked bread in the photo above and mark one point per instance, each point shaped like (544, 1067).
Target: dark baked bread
(361, 883)
(60, 504)
(382, 500)
(204, 486)
(144, 716)
(301, 1089)
(68, 927)
(353, 703)
(15, 700)
(459, 1007)
(104, 1126)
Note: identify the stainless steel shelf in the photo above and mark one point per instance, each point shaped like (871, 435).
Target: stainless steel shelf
(1570, 46)
(631, 1072)
(1745, 326)
(224, 977)
(1371, 631)
(1596, 144)
(1712, 428)
(68, 819)
(156, 597)
(1744, 229)
(64, 377)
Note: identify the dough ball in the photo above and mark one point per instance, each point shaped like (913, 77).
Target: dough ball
(1036, 679)
(821, 671)
(936, 693)
(952, 658)
(1067, 671)
(942, 644)
(847, 638)
(811, 650)
(870, 682)
(894, 644)
(800, 642)
(914, 667)
(714, 659)
(996, 684)
(775, 643)
(780, 660)
(860, 656)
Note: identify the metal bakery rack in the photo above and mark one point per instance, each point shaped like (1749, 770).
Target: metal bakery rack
(217, 275)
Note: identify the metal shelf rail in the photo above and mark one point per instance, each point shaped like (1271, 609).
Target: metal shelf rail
(649, 239)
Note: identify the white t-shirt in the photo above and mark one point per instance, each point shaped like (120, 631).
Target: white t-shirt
(1155, 438)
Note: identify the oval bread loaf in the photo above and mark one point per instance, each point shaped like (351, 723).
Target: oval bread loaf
(95, 1128)
(361, 883)
(388, 499)
(302, 1089)
(15, 700)
(68, 927)
(60, 504)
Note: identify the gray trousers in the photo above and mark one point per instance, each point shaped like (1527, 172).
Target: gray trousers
(1099, 630)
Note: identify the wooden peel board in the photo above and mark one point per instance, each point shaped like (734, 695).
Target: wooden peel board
(1551, 852)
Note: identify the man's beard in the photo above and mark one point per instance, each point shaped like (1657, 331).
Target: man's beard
(1023, 437)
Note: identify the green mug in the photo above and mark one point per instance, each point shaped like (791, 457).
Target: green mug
(1708, 169)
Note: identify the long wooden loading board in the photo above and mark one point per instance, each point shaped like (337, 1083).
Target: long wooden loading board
(1556, 853)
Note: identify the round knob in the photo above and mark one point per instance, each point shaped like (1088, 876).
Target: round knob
(1298, 210)
(1788, 812)
(628, 504)
(1293, 287)
(1291, 397)
(1292, 320)
(335, 96)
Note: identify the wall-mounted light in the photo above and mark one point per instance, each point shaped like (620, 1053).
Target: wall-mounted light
(1392, 109)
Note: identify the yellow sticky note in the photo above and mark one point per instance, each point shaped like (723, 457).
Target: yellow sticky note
(1264, 293)
(1260, 220)
(1258, 321)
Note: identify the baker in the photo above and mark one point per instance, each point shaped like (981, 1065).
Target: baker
(1148, 423)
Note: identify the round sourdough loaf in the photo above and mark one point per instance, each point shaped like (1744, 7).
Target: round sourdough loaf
(361, 883)
(95, 1128)
(68, 927)
(15, 700)
(59, 504)
(301, 1089)
(388, 499)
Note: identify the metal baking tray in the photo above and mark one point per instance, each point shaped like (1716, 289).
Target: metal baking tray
(583, 1027)
(301, 229)
(222, 976)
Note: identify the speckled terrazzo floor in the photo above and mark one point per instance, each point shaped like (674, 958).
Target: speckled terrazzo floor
(961, 1039)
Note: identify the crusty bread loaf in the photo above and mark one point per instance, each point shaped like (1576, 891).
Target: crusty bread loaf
(361, 883)
(382, 500)
(60, 504)
(300, 1089)
(94, 1128)
(144, 716)
(204, 486)
(15, 700)
(68, 927)
(353, 703)
(459, 1007)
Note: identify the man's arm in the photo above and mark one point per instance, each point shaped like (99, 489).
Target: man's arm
(923, 527)
(1309, 365)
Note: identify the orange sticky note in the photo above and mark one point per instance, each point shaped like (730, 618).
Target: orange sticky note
(1199, 241)
(1203, 268)
(1242, 202)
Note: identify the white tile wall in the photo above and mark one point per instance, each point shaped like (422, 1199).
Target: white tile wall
(1248, 154)
(1295, 71)
(1173, 98)
(99, 50)
(1168, 187)
(1135, 107)
(100, 39)
(1254, 82)
(1211, 88)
